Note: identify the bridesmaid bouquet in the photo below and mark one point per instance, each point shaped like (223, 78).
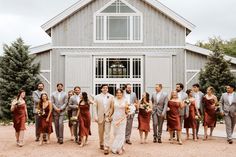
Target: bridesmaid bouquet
(146, 107)
(187, 102)
(41, 112)
(74, 119)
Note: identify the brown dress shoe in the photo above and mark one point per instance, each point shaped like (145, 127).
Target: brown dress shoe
(128, 142)
(106, 152)
(102, 147)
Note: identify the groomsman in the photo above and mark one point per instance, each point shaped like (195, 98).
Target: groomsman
(132, 100)
(74, 106)
(198, 95)
(103, 110)
(159, 102)
(36, 98)
(59, 103)
(228, 110)
(181, 96)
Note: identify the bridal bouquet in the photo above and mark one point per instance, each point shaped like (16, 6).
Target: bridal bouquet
(74, 119)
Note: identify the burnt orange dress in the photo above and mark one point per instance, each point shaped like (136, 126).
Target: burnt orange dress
(19, 117)
(209, 112)
(173, 116)
(144, 120)
(44, 126)
(190, 121)
(84, 120)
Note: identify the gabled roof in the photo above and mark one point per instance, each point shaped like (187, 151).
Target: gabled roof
(81, 3)
(206, 52)
(40, 48)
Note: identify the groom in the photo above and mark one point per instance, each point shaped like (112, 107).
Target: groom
(103, 110)
(228, 110)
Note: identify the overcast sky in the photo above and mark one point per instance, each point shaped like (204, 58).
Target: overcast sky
(23, 18)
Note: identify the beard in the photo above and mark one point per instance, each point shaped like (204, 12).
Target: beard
(128, 92)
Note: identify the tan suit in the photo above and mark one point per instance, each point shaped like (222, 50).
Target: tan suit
(103, 110)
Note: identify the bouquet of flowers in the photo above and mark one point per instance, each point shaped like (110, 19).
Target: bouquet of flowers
(74, 119)
(130, 109)
(41, 112)
(198, 118)
(187, 102)
(146, 107)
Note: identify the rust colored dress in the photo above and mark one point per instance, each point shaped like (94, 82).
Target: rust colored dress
(209, 112)
(173, 116)
(190, 121)
(144, 120)
(44, 126)
(84, 120)
(19, 117)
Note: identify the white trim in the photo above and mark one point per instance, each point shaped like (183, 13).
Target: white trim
(191, 71)
(156, 4)
(132, 53)
(50, 71)
(45, 71)
(45, 79)
(192, 78)
(116, 47)
(185, 68)
(234, 71)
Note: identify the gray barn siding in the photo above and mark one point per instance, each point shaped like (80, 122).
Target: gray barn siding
(195, 61)
(158, 29)
(44, 60)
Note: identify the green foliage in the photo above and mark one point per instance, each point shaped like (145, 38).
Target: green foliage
(227, 46)
(216, 72)
(17, 72)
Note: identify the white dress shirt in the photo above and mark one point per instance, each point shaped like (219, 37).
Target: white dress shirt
(158, 96)
(127, 97)
(230, 97)
(197, 98)
(105, 100)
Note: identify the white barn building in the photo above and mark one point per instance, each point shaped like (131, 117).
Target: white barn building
(141, 42)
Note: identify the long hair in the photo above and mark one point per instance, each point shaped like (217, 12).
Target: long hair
(19, 93)
(40, 105)
(85, 96)
(172, 93)
(147, 98)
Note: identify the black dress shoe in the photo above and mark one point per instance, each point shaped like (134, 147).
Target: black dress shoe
(155, 140)
(128, 142)
(159, 141)
(37, 139)
(230, 141)
(61, 142)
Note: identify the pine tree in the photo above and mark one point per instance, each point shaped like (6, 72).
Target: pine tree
(216, 72)
(18, 71)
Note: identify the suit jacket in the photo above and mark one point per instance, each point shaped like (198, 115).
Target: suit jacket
(183, 96)
(36, 98)
(160, 106)
(73, 104)
(133, 97)
(59, 103)
(100, 112)
(226, 107)
(201, 95)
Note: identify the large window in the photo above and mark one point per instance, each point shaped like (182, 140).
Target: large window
(118, 22)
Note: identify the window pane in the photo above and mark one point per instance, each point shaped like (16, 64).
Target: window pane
(136, 29)
(136, 68)
(99, 27)
(118, 28)
(99, 68)
(118, 7)
(137, 90)
(125, 9)
(118, 67)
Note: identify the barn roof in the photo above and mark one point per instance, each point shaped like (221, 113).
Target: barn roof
(81, 3)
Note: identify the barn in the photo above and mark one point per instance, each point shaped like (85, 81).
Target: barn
(141, 42)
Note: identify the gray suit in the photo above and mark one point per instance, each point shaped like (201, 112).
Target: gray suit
(229, 111)
(60, 103)
(159, 112)
(74, 106)
(130, 118)
(182, 97)
(36, 98)
(200, 109)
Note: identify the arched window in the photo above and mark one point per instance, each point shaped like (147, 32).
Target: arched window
(118, 21)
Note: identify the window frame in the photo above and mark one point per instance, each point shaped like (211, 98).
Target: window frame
(105, 15)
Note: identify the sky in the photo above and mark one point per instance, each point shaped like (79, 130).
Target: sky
(23, 18)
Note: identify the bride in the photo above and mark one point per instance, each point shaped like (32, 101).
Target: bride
(119, 122)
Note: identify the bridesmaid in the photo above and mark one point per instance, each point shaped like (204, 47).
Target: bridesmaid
(190, 117)
(20, 114)
(119, 122)
(173, 116)
(84, 118)
(45, 117)
(69, 114)
(209, 101)
(144, 115)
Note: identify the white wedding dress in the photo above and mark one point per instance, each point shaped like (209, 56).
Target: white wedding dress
(119, 130)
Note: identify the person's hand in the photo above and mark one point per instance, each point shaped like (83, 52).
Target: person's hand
(162, 116)
(47, 120)
(58, 110)
(222, 113)
(96, 120)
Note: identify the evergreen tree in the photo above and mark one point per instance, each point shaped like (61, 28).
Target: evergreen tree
(216, 72)
(17, 72)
